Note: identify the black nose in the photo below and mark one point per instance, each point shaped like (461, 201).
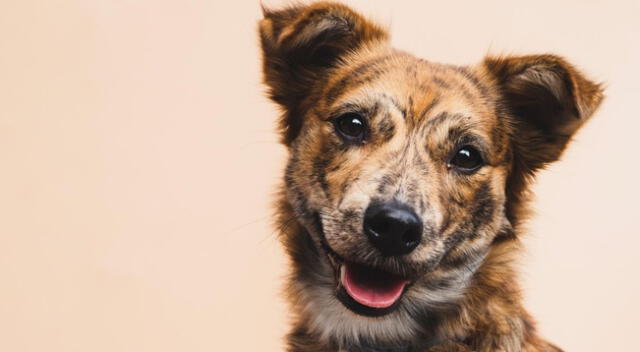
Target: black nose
(393, 228)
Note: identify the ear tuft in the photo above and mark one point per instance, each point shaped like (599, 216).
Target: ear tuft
(549, 99)
(300, 43)
(320, 25)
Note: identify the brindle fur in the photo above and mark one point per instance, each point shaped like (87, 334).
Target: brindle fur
(324, 59)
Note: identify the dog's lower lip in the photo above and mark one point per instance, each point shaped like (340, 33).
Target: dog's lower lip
(371, 287)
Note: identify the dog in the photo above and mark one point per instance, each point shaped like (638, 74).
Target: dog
(406, 185)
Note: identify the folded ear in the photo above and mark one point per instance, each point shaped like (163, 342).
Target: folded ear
(300, 44)
(549, 99)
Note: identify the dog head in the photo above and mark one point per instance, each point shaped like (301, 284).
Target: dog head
(404, 173)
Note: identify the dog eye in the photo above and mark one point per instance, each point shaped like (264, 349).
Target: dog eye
(466, 159)
(351, 126)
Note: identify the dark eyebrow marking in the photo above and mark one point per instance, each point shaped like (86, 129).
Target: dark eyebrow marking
(440, 118)
(366, 111)
(462, 133)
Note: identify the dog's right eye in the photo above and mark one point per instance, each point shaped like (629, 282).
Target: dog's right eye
(351, 126)
(467, 159)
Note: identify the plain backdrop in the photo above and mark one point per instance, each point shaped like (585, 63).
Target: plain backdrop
(138, 162)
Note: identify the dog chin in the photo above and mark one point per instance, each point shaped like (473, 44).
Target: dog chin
(336, 318)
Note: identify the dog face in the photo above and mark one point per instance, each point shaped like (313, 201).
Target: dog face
(403, 173)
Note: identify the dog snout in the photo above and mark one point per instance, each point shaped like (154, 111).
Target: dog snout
(393, 228)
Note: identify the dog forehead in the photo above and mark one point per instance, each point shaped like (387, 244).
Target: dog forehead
(417, 89)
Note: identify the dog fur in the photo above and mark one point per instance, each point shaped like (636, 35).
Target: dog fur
(324, 60)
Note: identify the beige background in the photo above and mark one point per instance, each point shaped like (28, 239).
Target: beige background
(138, 162)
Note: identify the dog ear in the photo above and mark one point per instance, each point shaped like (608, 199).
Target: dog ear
(549, 99)
(299, 45)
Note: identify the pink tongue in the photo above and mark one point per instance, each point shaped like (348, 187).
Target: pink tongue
(372, 288)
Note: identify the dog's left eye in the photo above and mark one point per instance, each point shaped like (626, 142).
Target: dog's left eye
(351, 126)
(466, 159)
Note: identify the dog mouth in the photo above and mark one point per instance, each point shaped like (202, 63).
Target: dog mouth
(370, 287)
(366, 290)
